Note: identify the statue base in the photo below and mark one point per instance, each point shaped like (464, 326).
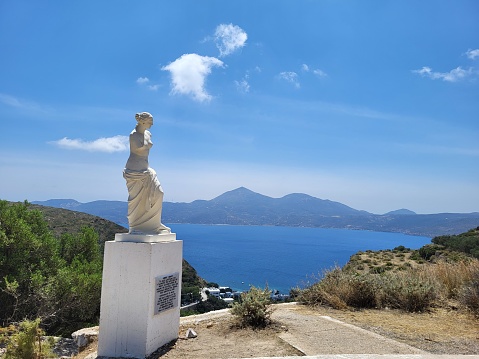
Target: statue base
(141, 294)
(145, 238)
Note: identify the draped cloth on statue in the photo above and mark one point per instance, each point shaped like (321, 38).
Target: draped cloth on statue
(145, 201)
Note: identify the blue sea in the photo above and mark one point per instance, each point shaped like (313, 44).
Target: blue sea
(281, 257)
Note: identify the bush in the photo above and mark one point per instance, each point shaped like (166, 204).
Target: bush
(469, 295)
(340, 290)
(328, 291)
(429, 250)
(27, 343)
(56, 279)
(254, 308)
(450, 277)
(190, 295)
(212, 303)
(408, 291)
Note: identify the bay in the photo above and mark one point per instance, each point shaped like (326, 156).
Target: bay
(280, 257)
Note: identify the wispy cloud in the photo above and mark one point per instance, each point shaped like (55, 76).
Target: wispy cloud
(23, 104)
(320, 73)
(452, 76)
(10, 100)
(317, 72)
(188, 75)
(144, 81)
(290, 76)
(242, 86)
(104, 144)
(472, 54)
(229, 38)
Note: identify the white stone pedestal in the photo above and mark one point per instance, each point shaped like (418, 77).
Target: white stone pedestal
(140, 295)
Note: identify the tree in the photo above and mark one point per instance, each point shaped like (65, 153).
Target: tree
(28, 256)
(58, 280)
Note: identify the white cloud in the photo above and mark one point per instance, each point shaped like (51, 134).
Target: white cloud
(229, 38)
(317, 72)
(452, 76)
(142, 80)
(188, 75)
(104, 144)
(242, 86)
(23, 104)
(10, 100)
(472, 54)
(320, 73)
(291, 77)
(153, 87)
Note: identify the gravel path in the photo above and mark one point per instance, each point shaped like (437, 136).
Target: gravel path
(315, 334)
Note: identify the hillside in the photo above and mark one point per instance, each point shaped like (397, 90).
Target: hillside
(245, 207)
(62, 220)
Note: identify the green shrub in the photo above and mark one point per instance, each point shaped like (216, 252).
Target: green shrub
(363, 292)
(339, 290)
(190, 294)
(407, 291)
(212, 303)
(57, 279)
(469, 295)
(27, 342)
(254, 308)
(429, 250)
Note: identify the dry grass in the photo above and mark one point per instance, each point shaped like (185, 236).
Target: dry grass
(415, 289)
(440, 330)
(451, 277)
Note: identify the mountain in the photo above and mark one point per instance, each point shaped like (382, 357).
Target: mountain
(61, 203)
(61, 220)
(114, 211)
(245, 207)
(403, 211)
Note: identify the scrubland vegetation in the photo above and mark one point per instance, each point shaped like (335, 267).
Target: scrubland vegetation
(54, 274)
(442, 274)
(57, 279)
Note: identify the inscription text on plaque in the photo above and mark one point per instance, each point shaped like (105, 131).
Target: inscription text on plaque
(166, 292)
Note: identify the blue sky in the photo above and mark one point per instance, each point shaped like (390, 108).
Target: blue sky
(374, 104)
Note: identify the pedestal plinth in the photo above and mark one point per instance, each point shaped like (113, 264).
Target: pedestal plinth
(140, 296)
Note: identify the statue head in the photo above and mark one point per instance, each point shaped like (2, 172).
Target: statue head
(143, 118)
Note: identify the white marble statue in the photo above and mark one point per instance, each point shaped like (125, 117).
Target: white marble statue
(145, 195)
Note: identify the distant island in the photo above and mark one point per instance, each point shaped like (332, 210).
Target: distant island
(242, 206)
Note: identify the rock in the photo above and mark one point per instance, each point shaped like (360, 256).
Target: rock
(209, 325)
(85, 336)
(190, 333)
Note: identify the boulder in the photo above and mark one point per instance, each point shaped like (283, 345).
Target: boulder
(85, 336)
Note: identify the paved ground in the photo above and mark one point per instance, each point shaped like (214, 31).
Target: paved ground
(322, 337)
(313, 335)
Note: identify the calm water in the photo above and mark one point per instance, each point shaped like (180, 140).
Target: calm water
(282, 257)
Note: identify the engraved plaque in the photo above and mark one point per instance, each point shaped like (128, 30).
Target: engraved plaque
(166, 292)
